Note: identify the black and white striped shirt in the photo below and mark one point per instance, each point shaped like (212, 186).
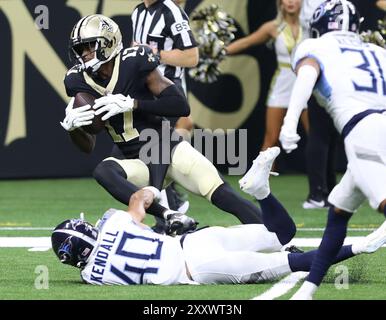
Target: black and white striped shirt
(165, 26)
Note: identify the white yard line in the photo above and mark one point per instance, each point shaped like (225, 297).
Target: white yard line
(27, 228)
(315, 242)
(348, 229)
(52, 228)
(25, 242)
(282, 287)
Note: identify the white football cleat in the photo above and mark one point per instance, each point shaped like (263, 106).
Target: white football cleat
(374, 240)
(256, 181)
(305, 292)
(301, 296)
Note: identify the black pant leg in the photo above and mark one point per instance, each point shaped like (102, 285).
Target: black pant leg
(320, 151)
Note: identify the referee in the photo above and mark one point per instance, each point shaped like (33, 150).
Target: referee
(164, 26)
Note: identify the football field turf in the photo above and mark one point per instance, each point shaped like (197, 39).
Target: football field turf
(30, 208)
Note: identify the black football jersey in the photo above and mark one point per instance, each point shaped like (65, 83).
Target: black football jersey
(131, 68)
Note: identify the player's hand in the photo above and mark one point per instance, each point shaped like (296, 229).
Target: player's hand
(113, 104)
(78, 117)
(288, 138)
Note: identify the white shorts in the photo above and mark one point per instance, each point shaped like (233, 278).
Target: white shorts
(188, 167)
(366, 170)
(234, 255)
(281, 88)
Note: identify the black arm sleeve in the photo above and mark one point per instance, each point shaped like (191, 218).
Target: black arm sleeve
(170, 103)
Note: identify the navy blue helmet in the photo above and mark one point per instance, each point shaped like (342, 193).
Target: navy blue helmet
(73, 241)
(334, 15)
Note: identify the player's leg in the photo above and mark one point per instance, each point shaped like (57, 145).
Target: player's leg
(370, 244)
(273, 122)
(320, 157)
(331, 161)
(345, 198)
(177, 200)
(303, 261)
(226, 255)
(366, 154)
(256, 183)
(197, 174)
(122, 178)
(277, 220)
(227, 199)
(382, 207)
(305, 121)
(246, 237)
(240, 267)
(184, 127)
(212, 256)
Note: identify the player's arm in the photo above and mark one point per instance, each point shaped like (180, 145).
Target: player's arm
(140, 201)
(169, 102)
(260, 36)
(83, 140)
(72, 123)
(307, 71)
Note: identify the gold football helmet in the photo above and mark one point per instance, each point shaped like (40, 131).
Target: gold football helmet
(101, 35)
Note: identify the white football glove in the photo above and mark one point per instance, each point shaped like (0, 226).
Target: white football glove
(78, 117)
(113, 104)
(288, 138)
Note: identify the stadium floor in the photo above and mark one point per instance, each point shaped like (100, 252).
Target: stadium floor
(30, 208)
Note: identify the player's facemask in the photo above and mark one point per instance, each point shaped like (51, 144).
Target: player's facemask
(95, 40)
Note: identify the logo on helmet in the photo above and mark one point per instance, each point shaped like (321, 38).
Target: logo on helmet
(334, 15)
(106, 26)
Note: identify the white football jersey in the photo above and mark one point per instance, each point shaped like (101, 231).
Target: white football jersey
(128, 253)
(352, 77)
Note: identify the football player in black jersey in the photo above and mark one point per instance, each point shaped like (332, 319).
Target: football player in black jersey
(133, 96)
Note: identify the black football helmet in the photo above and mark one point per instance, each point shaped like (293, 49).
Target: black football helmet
(334, 15)
(73, 241)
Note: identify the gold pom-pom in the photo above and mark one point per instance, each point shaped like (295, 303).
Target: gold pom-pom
(214, 29)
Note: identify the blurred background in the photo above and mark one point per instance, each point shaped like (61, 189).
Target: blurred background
(33, 63)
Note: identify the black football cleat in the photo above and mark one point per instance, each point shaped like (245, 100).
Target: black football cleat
(177, 201)
(178, 223)
(294, 249)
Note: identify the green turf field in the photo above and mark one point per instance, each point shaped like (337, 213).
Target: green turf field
(45, 203)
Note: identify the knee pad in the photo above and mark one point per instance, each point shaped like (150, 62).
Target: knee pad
(193, 171)
(134, 170)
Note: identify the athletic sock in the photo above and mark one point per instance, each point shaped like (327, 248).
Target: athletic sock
(303, 261)
(332, 242)
(276, 219)
(225, 198)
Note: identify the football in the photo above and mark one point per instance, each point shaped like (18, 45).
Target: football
(82, 99)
